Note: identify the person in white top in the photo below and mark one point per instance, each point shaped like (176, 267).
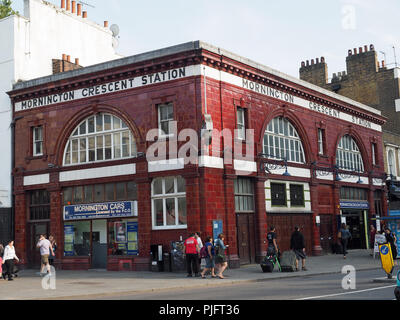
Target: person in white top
(200, 243)
(8, 258)
(45, 249)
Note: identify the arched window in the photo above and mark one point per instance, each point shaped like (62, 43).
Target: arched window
(281, 141)
(348, 155)
(102, 137)
(391, 163)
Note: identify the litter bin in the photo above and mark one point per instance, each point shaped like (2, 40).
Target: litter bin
(157, 262)
(167, 262)
(177, 259)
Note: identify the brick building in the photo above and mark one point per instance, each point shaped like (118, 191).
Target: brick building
(370, 82)
(107, 201)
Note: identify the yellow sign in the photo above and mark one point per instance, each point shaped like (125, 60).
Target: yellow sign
(386, 257)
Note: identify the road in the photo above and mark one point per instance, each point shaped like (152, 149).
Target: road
(317, 287)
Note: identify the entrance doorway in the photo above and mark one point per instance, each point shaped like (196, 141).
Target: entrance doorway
(35, 230)
(356, 224)
(99, 244)
(245, 238)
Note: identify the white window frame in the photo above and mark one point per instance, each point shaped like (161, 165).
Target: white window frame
(241, 123)
(85, 136)
(282, 143)
(348, 155)
(394, 170)
(35, 141)
(164, 196)
(161, 133)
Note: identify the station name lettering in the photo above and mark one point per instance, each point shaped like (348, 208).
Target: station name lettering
(110, 87)
(259, 88)
(325, 110)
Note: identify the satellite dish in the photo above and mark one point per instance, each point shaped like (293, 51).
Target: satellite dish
(115, 30)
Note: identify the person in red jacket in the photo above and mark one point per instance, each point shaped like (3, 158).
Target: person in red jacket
(191, 250)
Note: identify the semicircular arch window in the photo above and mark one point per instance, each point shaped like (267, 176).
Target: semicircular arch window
(281, 141)
(102, 137)
(348, 155)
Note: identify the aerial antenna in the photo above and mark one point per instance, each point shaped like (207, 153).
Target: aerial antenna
(395, 59)
(86, 4)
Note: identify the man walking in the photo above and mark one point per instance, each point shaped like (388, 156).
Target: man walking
(191, 250)
(45, 249)
(299, 248)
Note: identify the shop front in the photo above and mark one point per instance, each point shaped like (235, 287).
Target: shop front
(96, 233)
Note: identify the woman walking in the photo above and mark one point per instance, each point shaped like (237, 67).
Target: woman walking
(344, 236)
(220, 258)
(8, 259)
(391, 238)
(210, 259)
(54, 245)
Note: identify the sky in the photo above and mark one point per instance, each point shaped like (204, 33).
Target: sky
(279, 34)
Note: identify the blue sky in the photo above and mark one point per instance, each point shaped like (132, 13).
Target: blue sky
(279, 34)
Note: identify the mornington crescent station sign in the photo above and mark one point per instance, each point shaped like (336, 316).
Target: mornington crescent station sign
(185, 72)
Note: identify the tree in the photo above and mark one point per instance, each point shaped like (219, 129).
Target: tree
(5, 9)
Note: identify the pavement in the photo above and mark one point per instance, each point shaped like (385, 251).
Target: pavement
(100, 283)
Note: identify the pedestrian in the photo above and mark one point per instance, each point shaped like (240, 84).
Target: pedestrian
(197, 235)
(391, 238)
(191, 250)
(344, 236)
(220, 256)
(1, 260)
(210, 259)
(372, 232)
(45, 250)
(272, 244)
(298, 246)
(54, 246)
(8, 259)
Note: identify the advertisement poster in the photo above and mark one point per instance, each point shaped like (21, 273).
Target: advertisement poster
(69, 234)
(120, 232)
(132, 230)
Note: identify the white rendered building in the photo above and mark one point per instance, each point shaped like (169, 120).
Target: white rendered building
(29, 43)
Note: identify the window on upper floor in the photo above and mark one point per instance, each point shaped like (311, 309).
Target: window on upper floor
(281, 141)
(241, 123)
(165, 117)
(102, 137)
(348, 155)
(37, 134)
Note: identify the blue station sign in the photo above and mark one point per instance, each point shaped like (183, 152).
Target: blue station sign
(106, 210)
(364, 205)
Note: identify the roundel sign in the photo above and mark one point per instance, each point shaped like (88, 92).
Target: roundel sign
(384, 250)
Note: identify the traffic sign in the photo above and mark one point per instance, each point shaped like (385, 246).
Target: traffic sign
(386, 258)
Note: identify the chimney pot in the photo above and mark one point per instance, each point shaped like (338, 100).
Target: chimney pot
(64, 57)
(308, 63)
(360, 50)
(312, 61)
(68, 5)
(355, 51)
(383, 63)
(349, 52)
(365, 48)
(84, 14)
(317, 60)
(79, 13)
(73, 6)
(77, 61)
(105, 24)
(371, 47)
(62, 4)
(68, 58)
(322, 59)
(303, 64)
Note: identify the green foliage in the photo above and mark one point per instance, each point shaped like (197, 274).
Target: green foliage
(5, 9)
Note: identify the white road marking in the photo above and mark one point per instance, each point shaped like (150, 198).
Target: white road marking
(345, 293)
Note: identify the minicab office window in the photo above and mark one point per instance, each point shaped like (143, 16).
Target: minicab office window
(114, 235)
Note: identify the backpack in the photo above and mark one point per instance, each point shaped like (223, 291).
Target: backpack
(203, 252)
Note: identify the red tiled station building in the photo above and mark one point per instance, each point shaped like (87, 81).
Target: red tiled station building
(82, 170)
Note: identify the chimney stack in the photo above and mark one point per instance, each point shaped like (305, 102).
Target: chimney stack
(79, 10)
(68, 8)
(62, 4)
(73, 6)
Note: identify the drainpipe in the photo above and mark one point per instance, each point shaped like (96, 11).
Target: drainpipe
(12, 125)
